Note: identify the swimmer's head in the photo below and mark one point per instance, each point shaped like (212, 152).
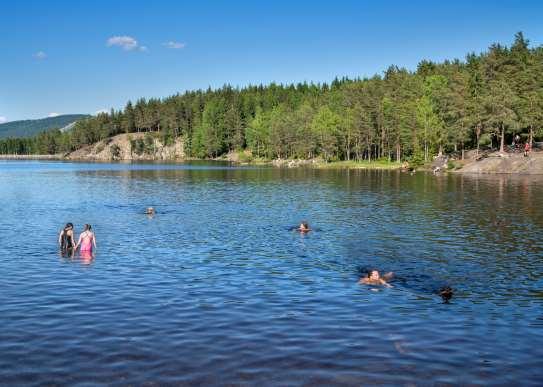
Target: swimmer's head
(373, 275)
(87, 227)
(69, 226)
(304, 225)
(150, 211)
(446, 293)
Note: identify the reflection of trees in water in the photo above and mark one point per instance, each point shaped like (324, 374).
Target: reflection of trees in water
(471, 232)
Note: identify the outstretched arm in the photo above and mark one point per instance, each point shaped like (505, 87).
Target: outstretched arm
(78, 242)
(388, 276)
(94, 240)
(383, 282)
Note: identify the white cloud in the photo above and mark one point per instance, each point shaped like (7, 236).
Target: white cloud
(100, 111)
(3, 119)
(40, 55)
(127, 43)
(174, 45)
(50, 115)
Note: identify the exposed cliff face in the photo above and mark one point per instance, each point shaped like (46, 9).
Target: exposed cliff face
(132, 147)
(507, 163)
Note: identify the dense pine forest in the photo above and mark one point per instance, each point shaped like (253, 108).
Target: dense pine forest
(439, 107)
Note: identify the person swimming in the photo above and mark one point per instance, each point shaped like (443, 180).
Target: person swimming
(150, 211)
(86, 240)
(66, 238)
(374, 278)
(446, 294)
(304, 227)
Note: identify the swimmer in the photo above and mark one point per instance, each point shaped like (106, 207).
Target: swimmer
(446, 293)
(86, 240)
(150, 211)
(304, 227)
(373, 278)
(66, 237)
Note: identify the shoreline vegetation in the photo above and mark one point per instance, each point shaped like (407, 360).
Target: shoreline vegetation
(491, 163)
(485, 102)
(318, 164)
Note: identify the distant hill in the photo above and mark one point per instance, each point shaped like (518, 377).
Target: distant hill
(29, 128)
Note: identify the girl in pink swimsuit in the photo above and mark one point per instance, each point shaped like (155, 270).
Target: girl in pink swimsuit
(86, 240)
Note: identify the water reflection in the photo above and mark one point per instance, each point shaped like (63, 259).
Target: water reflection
(216, 288)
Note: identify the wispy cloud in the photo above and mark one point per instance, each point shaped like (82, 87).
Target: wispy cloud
(3, 119)
(174, 45)
(127, 43)
(40, 55)
(53, 114)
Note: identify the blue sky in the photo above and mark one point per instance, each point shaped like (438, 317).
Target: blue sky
(56, 57)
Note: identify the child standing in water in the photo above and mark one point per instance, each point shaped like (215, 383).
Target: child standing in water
(86, 240)
(66, 238)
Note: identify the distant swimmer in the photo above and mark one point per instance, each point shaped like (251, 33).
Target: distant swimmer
(150, 211)
(374, 278)
(304, 227)
(86, 240)
(66, 238)
(446, 293)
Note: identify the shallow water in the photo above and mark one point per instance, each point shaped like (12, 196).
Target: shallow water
(215, 289)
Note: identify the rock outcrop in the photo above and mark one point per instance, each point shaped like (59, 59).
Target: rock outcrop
(507, 163)
(130, 147)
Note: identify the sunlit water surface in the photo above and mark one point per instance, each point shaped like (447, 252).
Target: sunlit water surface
(216, 289)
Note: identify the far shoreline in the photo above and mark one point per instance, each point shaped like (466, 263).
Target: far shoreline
(276, 163)
(494, 164)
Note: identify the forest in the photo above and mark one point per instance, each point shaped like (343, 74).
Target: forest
(482, 101)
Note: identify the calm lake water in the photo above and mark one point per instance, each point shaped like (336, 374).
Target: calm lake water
(216, 289)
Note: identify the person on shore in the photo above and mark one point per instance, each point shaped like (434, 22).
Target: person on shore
(87, 240)
(374, 278)
(304, 227)
(527, 149)
(66, 239)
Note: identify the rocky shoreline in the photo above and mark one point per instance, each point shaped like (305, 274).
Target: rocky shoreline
(505, 163)
(144, 147)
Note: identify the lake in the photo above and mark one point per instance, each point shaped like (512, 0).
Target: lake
(217, 289)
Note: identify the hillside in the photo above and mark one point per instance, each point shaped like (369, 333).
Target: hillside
(130, 147)
(29, 128)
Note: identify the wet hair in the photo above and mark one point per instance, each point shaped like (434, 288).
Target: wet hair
(88, 227)
(371, 271)
(446, 293)
(304, 224)
(68, 225)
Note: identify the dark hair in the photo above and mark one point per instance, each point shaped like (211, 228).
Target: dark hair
(304, 223)
(88, 227)
(68, 225)
(371, 271)
(446, 293)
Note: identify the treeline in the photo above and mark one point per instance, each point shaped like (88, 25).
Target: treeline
(440, 107)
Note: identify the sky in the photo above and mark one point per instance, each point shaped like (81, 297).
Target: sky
(66, 57)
